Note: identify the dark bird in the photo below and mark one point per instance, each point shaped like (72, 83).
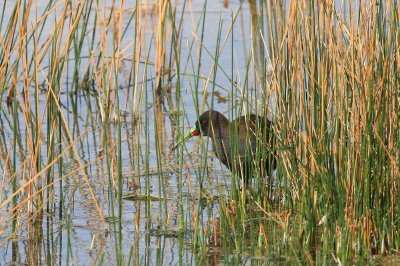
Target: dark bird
(241, 145)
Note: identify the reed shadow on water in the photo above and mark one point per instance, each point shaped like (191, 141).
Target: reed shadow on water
(298, 100)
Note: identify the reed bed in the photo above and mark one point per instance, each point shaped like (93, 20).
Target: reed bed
(94, 95)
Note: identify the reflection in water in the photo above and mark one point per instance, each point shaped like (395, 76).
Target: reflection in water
(94, 98)
(258, 47)
(69, 130)
(33, 248)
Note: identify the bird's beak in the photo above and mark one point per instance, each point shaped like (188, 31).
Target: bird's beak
(192, 132)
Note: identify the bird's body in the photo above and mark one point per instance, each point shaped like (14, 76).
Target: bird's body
(241, 145)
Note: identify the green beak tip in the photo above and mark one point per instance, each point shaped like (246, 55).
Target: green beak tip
(185, 138)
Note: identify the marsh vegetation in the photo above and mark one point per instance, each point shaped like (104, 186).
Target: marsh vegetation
(94, 95)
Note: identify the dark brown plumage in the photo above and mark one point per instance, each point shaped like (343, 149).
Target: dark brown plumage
(241, 145)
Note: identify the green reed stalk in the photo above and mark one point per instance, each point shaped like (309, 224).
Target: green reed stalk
(340, 108)
(115, 85)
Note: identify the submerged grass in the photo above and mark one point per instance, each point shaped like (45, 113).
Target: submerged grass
(97, 94)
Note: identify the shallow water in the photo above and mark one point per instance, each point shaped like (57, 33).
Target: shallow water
(157, 231)
(76, 233)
